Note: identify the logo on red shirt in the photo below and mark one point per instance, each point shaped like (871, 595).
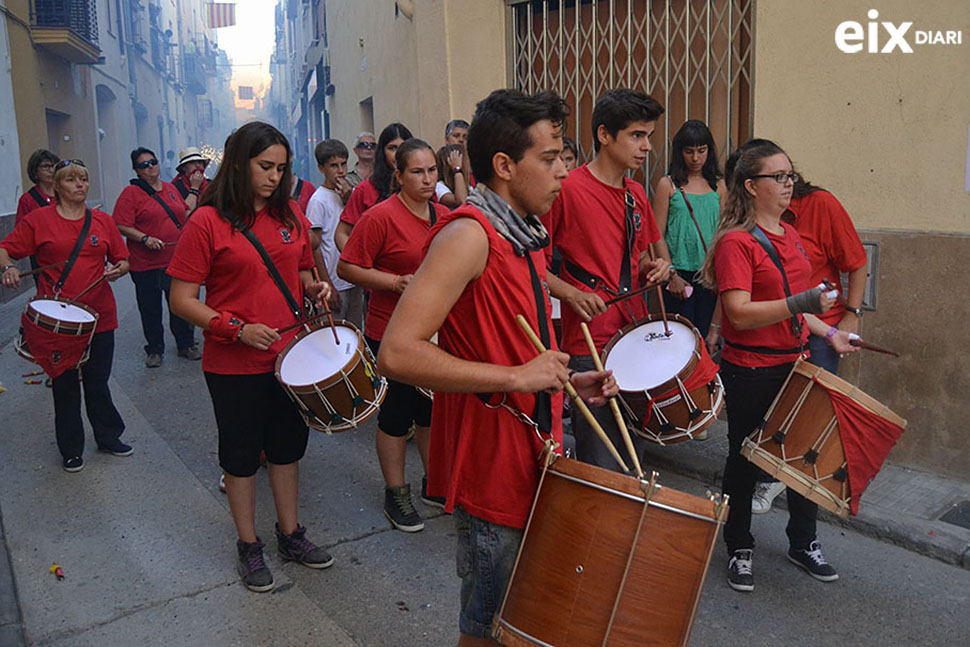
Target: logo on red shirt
(94, 240)
(285, 233)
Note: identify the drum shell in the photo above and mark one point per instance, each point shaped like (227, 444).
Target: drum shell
(58, 326)
(577, 546)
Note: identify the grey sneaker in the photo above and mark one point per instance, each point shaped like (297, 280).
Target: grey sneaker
(153, 361)
(764, 496)
(192, 352)
(296, 547)
(740, 575)
(811, 560)
(252, 568)
(399, 508)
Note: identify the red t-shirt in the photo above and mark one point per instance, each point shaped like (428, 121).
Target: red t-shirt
(482, 459)
(587, 223)
(830, 240)
(50, 237)
(237, 281)
(741, 263)
(388, 238)
(363, 198)
(27, 203)
(137, 209)
(306, 192)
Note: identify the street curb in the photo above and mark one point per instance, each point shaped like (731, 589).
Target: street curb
(11, 633)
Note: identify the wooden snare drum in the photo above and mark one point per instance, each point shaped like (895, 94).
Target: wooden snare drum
(801, 443)
(608, 559)
(335, 387)
(58, 318)
(669, 386)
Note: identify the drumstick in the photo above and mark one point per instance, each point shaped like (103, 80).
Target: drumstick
(41, 269)
(578, 401)
(856, 340)
(624, 432)
(660, 296)
(624, 297)
(326, 310)
(170, 244)
(86, 290)
(301, 322)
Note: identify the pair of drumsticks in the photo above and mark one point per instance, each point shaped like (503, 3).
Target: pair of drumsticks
(326, 313)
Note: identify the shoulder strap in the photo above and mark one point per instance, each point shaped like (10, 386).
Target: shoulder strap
(690, 210)
(765, 242)
(85, 228)
(543, 409)
(179, 184)
(298, 189)
(630, 205)
(432, 214)
(38, 198)
(273, 272)
(144, 186)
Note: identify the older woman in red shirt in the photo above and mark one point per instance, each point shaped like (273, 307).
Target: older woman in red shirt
(150, 213)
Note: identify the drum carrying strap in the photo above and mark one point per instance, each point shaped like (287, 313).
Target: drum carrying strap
(297, 189)
(146, 187)
(38, 198)
(594, 282)
(273, 272)
(796, 323)
(69, 265)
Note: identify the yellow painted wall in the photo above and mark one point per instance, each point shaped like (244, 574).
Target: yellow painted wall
(886, 133)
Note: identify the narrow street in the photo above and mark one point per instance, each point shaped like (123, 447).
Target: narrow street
(146, 542)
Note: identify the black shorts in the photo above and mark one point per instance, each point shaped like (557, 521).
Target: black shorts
(402, 406)
(254, 414)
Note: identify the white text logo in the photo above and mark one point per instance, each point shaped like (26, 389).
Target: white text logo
(886, 37)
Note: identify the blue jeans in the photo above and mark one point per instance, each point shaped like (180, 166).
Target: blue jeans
(823, 354)
(485, 557)
(150, 285)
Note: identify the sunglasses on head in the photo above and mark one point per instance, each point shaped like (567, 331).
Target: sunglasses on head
(66, 163)
(143, 165)
(367, 146)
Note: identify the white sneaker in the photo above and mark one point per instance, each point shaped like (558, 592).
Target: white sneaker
(764, 496)
(702, 435)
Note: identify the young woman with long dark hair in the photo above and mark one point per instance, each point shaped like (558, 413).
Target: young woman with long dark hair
(765, 331)
(242, 312)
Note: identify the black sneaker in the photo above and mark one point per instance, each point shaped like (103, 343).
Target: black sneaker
(399, 508)
(251, 567)
(433, 501)
(73, 464)
(297, 548)
(117, 448)
(740, 576)
(812, 561)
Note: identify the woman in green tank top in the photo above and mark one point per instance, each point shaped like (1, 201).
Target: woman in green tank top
(693, 187)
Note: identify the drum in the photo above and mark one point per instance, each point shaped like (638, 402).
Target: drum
(824, 438)
(608, 559)
(669, 386)
(58, 318)
(336, 387)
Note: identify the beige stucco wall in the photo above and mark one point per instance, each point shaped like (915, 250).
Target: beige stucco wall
(453, 50)
(887, 133)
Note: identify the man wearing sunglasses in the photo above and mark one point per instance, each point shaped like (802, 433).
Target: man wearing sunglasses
(150, 213)
(365, 147)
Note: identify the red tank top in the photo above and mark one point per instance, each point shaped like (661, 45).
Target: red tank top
(486, 460)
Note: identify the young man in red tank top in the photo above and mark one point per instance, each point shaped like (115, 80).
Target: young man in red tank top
(483, 267)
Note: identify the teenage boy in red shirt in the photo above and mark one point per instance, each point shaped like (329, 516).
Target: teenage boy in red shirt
(588, 223)
(472, 283)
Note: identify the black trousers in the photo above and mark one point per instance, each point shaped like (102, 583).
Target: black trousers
(749, 393)
(150, 285)
(105, 420)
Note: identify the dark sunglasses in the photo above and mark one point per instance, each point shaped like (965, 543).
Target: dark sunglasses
(66, 163)
(367, 146)
(143, 165)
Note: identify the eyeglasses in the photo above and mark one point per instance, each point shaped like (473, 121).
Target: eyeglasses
(367, 146)
(141, 166)
(45, 166)
(66, 163)
(780, 178)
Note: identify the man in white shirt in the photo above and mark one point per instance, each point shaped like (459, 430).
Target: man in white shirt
(323, 212)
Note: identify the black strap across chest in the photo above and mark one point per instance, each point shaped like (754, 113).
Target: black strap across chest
(179, 184)
(38, 198)
(625, 281)
(78, 244)
(297, 189)
(274, 273)
(144, 186)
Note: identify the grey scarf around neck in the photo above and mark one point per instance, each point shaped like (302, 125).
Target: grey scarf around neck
(524, 234)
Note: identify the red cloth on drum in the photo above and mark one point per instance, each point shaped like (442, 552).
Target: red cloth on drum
(741, 263)
(236, 280)
(27, 204)
(54, 352)
(363, 198)
(137, 209)
(830, 240)
(867, 439)
(703, 373)
(587, 223)
(485, 459)
(51, 237)
(389, 238)
(306, 192)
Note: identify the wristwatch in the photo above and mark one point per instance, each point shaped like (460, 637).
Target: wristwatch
(144, 239)
(6, 267)
(856, 311)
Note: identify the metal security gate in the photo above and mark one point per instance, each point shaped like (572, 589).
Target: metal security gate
(694, 56)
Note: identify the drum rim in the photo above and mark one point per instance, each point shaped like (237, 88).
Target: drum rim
(671, 383)
(81, 325)
(849, 390)
(350, 365)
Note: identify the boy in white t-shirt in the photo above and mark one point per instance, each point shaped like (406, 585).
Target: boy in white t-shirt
(323, 212)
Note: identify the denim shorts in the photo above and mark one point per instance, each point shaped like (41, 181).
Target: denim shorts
(486, 555)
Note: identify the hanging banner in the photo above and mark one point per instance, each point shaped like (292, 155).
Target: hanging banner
(222, 14)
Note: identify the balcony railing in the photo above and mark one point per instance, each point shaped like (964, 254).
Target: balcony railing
(69, 28)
